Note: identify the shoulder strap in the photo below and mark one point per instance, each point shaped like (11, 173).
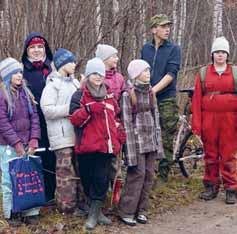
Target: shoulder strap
(202, 73)
(234, 72)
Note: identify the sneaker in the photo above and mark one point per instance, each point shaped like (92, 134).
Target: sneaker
(129, 221)
(31, 220)
(141, 219)
(230, 196)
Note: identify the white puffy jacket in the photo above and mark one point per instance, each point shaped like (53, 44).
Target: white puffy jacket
(55, 102)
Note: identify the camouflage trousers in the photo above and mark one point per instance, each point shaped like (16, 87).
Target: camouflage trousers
(168, 120)
(66, 189)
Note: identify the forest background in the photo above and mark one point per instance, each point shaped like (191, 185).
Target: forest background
(79, 25)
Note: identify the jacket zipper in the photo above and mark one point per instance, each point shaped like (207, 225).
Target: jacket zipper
(110, 147)
(153, 62)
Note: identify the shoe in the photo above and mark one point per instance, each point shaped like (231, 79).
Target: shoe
(129, 221)
(209, 193)
(230, 196)
(142, 219)
(31, 220)
(14, 222)
(93, 215)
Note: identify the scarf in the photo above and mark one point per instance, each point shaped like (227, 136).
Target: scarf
(110, 73)
(98, 94)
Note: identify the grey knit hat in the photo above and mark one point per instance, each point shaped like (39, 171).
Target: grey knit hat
(9, 67)
(104, 51)
(136, 67)
(95, 65)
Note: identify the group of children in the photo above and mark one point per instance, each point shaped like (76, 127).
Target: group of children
(87, 122)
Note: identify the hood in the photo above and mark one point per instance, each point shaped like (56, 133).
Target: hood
(48, 51)
(56, 80)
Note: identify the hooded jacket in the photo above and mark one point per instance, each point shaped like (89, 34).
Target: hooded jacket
(36, 80)
(55, 102)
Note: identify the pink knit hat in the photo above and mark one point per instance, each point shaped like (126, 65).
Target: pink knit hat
(136, 67)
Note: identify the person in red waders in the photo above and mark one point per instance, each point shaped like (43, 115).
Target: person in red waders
(214, 107)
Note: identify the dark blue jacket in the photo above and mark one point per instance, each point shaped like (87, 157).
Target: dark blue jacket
(164, 60)
(36, 81)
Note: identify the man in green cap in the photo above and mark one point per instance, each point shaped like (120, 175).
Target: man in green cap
(164, 58)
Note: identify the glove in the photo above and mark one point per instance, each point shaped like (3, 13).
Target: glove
(19, 148)
(97, 107)
(33, 144)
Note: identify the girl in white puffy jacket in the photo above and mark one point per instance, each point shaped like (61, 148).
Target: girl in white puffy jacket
(55, 103)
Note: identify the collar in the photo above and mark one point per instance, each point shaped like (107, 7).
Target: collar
(227, 70)
(29, 65)
(110, 73)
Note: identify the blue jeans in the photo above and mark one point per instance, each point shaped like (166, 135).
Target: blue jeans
(6, 153)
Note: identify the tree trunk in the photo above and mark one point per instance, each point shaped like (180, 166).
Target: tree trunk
(217, 18)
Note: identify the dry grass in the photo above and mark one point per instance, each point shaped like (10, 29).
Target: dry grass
(179, 191)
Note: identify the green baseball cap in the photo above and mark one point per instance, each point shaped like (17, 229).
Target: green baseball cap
(160, 19)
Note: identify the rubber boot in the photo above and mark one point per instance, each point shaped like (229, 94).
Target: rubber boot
(93, 215)
(102, 219)
(230, 196)
(209, 193)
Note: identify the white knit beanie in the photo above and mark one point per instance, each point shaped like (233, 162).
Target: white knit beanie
(136, 67)
(220, 44)
(104, 51)
(95, 65)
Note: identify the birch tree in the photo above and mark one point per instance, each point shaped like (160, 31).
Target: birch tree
(175, 20)
(182, 23)
(217, 18)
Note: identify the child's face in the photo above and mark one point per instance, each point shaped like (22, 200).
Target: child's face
(36, 51)
(69, 68)
(111, 62)
(96, 80)
(17, 79)
(145, 76)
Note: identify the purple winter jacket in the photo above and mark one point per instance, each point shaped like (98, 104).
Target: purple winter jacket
(23, 126)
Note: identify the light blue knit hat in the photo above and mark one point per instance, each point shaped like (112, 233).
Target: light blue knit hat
(95, 65)
(9, 67)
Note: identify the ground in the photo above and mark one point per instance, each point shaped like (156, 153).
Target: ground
(175, 209)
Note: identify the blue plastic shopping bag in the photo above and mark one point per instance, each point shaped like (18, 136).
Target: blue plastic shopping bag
(27, 183)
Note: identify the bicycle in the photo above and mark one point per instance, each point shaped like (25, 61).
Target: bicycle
(188, 148)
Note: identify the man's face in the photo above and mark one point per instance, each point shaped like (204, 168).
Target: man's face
(161, 31)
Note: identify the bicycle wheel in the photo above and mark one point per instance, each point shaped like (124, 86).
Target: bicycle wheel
(190, 155)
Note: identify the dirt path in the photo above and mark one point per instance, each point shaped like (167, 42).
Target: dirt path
(213, 217)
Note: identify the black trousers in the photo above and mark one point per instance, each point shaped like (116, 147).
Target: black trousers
(49, 163)
(94, 171)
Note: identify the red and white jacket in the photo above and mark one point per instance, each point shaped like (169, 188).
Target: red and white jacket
(100, 130)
